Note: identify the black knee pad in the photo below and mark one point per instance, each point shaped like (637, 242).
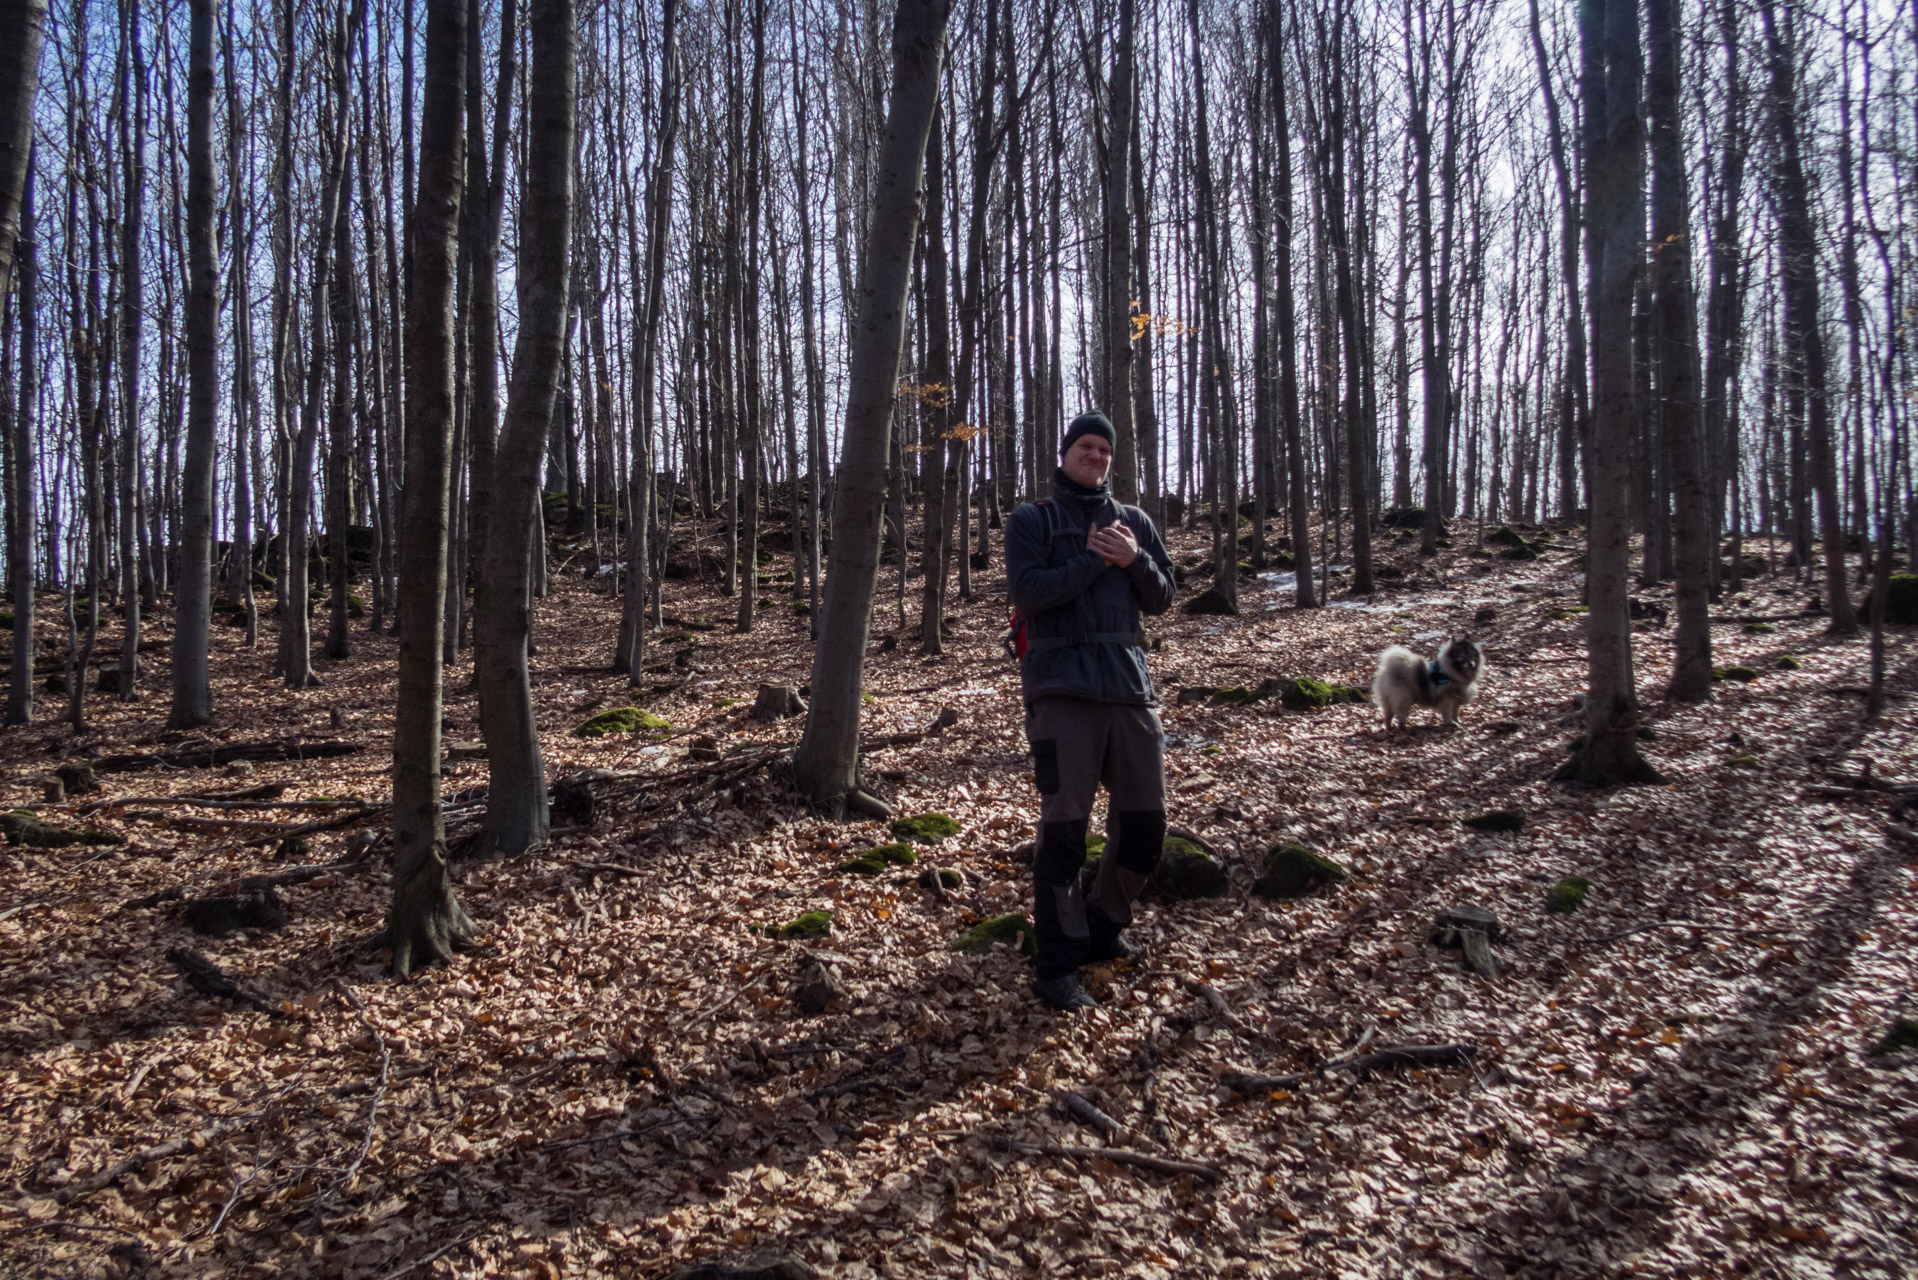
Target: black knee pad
(1061, 852)
(1138, 837)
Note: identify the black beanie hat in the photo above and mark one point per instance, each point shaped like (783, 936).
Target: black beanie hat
(1091, 422)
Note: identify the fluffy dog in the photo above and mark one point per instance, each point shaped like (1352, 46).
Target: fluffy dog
(1405, 680)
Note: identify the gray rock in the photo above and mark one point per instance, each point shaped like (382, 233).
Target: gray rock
(1467, 916)
(818, 987)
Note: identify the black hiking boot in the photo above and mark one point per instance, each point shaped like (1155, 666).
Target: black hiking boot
(1110, 947)
(1065, 994)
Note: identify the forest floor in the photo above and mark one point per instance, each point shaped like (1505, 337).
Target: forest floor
(1674, 1080)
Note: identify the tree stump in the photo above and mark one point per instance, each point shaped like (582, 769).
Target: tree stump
(777, 702)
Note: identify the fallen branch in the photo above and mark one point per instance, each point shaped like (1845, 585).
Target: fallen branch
(1120, 1155)
(189, 822)
(292, 875)
(165, 1150)
(1815, 792)
(372, 1111)
(881, 741)
(207, 978)
(1187, 833)
(213, 757)
(1688, 924)
(1082, 1108)
(283, 832)
(208, 802)
(1417, 1055)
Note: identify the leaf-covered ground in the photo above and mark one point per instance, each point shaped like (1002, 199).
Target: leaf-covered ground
(1672, 1080)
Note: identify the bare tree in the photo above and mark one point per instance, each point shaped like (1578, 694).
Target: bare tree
(193, 594)
(425, 921)
(502, 601)
(825, 765)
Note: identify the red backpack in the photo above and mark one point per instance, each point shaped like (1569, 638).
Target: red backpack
(1015, 637)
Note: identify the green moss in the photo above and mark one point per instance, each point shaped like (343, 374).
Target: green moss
(1497, 820)
(1518, 553)
(1760, 629)
(1788, 663)
(1743, 675)
(867, 698)
(1505, 536)
(1520, 586)
(980, 939)
(809, 924)
(720, 704)
(1241, 696)
(1903, 1035)
(621, 720)
(22, 827)
(1567, 895)
(926, 828)
(1743, 762)
(1186, 871)
(1306, 693)
(874, 861)
(355, 607)
(1292, 871)
(1901, 602)
(949, 878)
(1213, 750)
(802, 608)
(1567, 611)
(1095, 845)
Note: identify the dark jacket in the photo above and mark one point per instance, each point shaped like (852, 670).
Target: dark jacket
(1083, 636)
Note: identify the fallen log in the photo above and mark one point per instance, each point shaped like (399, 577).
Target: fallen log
(208, 802)
(227, 753)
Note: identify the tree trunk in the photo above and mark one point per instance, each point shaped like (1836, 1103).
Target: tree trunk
(193, 594)
(22, 30)
(132, 329)
(1798, 248)
(935, 401)
(20, 498)
(246, 392)
(825, 765)
(1117, 393)
(516, 817)
(1285, 314)
(1615, 215)
(1677, 358)
(425, 921)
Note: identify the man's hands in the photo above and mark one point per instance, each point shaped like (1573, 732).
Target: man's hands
(1114, 544)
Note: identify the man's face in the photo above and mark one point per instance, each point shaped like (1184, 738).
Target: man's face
(1088, 460)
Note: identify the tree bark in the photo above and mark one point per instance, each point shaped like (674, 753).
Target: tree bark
(1798, 249)
(193, 594)
(20, 497)
(935, 393)
(1117, 393)
(22, 32)
(1677, 358)
(1285, 312)
(425, 921)
(825, 765)
(516, 816)
(1615, 215)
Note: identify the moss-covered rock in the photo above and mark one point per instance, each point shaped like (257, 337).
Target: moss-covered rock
(947, 877)
(1901, 602)
(1902, 1035)
(22, 826)
(1743, 675)
(1293, 871)
(1212, 602)
(1786, 662)
(809, 924)
(1567, 896)
(1185, 871)
(1241, 696)
(982, 937)
(1497, 820)
(875, 861)
(1305, 693)
(1520, 552)
(621, 720)
(1760, 629)
(926, 828)
(1505, 536)
(1743, 762)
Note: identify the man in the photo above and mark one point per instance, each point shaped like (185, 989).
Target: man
(1082, 568)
